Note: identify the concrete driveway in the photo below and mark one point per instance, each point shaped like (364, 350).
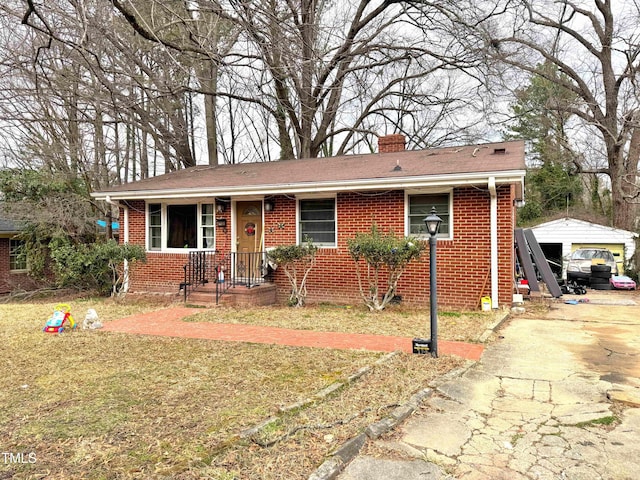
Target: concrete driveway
(610, 324)
(555, 396)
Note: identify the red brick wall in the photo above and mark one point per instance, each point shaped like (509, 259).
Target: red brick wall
(162, 272)
(136, 223)
(4, 265)
(463, 263)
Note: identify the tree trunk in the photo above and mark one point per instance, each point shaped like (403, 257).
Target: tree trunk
(210, 84)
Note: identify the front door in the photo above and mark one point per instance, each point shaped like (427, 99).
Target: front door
(249, 240)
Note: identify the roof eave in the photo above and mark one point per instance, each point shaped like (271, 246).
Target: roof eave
(510, 176)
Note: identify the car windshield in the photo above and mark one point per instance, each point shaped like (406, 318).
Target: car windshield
(590, 254)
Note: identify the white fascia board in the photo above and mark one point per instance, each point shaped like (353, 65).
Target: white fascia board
(572, 222)
(512, 176)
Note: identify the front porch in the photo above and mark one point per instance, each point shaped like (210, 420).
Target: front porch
(235, 278)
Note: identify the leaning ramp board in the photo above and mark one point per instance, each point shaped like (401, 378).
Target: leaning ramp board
(522, 250)
(542, 265)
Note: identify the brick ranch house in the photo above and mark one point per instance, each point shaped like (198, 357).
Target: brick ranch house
(248, 208)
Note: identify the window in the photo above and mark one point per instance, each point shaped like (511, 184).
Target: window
(208, 222)
(181, 226)
(17, 258)
(420, 207)
(318, 221)
(155, 226)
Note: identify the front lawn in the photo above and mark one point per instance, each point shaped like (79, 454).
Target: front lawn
(465, 326)
(93, 405)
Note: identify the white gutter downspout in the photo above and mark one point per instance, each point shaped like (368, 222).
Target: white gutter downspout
(493, 222)
(125, 212)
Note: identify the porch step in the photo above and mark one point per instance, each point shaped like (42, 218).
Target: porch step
(263, 294)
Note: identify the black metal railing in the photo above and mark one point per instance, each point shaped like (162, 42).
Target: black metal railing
(198, 270)
(225, 270)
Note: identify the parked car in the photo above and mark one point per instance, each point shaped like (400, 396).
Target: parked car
(622, 282)
(579, 266)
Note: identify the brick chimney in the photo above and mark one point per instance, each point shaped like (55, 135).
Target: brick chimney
(391, 143)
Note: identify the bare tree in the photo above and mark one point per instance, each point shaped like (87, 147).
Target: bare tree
(340, 73)
(141, 88)
(278, 79)
(595, 45)
(198, 36)
(330, 76)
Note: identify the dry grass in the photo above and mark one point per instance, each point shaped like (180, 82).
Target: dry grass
(465, 326)
(93, 405)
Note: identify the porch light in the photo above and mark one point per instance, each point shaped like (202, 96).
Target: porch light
(432, 221)
(269, 205)
(220, 207)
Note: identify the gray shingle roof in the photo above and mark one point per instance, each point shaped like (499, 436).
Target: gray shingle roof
(8, 226)
(505, 160)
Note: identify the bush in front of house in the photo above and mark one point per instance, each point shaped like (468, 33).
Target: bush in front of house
(95, 266)
(296, 261)
(380, 260)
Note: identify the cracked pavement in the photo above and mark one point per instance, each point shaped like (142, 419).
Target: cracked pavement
(555, 397)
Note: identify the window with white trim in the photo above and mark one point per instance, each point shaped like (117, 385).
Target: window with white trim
(420, 206)
(155, 226)
(317, 221)
(180, 226)
(17, 257)
(208, 225)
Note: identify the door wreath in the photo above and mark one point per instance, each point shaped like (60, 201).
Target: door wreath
(250, 229)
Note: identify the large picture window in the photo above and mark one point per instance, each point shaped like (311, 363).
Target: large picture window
(420, 206)
(181, 226)
(17, 258)
(318, 221)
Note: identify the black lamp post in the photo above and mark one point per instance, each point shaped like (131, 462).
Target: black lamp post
(432, 221)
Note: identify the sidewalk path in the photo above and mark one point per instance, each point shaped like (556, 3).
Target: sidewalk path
(169, 323)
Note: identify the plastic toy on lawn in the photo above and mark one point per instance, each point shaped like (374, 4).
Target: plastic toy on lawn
(60, 319)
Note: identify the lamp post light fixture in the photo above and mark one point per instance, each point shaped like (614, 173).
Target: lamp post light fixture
(432, 221)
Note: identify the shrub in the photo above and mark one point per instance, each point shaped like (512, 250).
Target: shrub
(97, 266)
(296, 261)
(379, 254)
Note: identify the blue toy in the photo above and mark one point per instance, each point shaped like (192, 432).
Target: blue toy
(60, 318)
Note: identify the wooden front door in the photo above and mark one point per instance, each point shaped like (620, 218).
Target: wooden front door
(249, 227)
(247, 259)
